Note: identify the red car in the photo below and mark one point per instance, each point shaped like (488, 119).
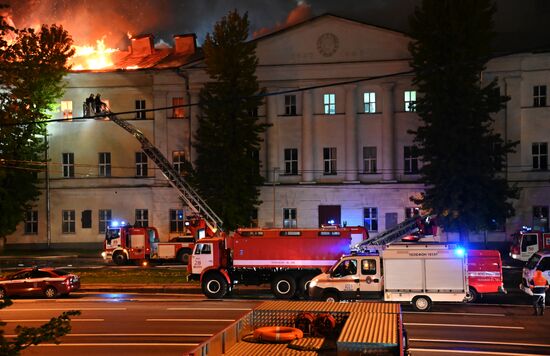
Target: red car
(47, 282)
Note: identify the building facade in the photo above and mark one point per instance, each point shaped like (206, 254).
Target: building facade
(337, 151)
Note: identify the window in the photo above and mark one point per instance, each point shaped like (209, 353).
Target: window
(290, 105)
(176, 220)
(31, 222)
(178, 160)
(141, 164)
(142, 217)
(104, 164)
(540, 218)
(68, 165)
(140, 105)
(370, 219)
(369, 160)
(410, 154)
(329, 159)
(68, 223)
(539, 151)
(410, 100)
(368, 267)
(410, 212)
(291, 161)
(67, 109)
(329, 101)
(539, 95)
(178, 112)
(289, 218)
(105, 218)
(86, 219)
(203, 249)
(369, 99)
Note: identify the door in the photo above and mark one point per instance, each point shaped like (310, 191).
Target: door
(136, 242)
(345, 278)
(38, 281)
(202, 258)
(329, 215)
(370, 284)
(17, 283)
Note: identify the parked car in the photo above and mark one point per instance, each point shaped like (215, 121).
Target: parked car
(47, 282)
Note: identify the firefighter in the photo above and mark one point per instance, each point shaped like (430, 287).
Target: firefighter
(538, 285)
(98, 104)
(89, 105)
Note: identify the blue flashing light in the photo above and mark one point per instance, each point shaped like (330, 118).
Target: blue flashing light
(114, 223)
(460, 251)
(331, 221)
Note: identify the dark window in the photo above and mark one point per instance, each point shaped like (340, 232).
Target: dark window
(329, 160)
(410, 155)
(68, 165)
(289, 218)
(539, 95)
(140, 105)
(142, 218)
(369, 160)
(370, 219)
(104, 220)
(540, 218)
(291, 161)
(141, 164)
(178, 160)
(104, 164)
(290, 105)
(68, 224)
(31, 222)
(176, 220)
(539, 152)
(86, 219)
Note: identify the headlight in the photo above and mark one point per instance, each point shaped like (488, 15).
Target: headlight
(313, 283)
(104, 254)
(514, 256)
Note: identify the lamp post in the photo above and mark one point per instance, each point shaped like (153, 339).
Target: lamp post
(275, 170)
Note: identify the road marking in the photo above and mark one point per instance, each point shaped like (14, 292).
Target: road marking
(94, 344)
(214, 320)
(126, 335)
(466, 326)
(481, 342)
(46, 320)
(228, 309)
(472, 352)
(58, 309)
(442, 313)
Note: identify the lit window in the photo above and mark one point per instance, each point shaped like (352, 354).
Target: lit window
(410, 100)
(105, 218)
(289, 218)
(142, 218)
(178, 160)
(539, 151)
(369, 99)
(539, 95)
(31, 222)
(104, 164)
(410, 155)
(176, 220)
(178, 111)
(290, 105)
(141, 164)
(369, 160)
(68, 165)
(140, 105)
(291, 161)
(67, 109)
(370, 219)
(329, 101)
(68, 223)
(329, 160)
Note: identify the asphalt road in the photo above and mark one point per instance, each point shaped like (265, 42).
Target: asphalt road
(147, 324)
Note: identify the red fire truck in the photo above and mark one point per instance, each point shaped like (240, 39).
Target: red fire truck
(285, 258)
(125, 243)
(484, 274)
(526, 242)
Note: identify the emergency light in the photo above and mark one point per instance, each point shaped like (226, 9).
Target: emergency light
(460, 252)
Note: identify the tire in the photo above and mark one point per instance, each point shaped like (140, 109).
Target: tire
(471, 296)
(331, 297)
(183, 256)
(120, 259)
(3, 293)
(50, 292)
(422, 303)
(214, 286)
(284, 286)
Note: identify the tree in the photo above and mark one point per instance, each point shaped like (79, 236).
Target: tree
(462, 154)
(228, 138)
(32, 65)
(27, 336)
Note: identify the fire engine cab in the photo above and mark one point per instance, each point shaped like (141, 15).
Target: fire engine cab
(526, 242)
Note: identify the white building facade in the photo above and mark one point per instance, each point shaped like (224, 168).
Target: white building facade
(337, 151)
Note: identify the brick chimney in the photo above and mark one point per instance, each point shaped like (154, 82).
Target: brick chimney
(142, 45)
(185, 44)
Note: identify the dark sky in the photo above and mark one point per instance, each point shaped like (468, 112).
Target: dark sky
(519, 23)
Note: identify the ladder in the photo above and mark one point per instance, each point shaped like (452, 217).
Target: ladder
(186, 192)
(394, 234)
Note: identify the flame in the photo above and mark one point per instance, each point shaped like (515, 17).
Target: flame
(93, 57)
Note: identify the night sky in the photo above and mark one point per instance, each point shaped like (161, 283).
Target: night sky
(520, 24)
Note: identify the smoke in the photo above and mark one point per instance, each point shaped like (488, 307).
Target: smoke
(299, 14)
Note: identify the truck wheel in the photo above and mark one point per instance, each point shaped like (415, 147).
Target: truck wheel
(422, 303)
(284, 286)
(331, 297)
(183, 256)
(471, 296)
(119, 258)
(214, 286)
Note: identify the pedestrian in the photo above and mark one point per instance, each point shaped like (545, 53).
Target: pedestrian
(98, 104)
(89, 105)
(538, 285)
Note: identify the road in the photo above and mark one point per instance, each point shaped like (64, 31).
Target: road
(146, 324)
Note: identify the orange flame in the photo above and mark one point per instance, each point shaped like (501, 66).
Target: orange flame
(93, 57)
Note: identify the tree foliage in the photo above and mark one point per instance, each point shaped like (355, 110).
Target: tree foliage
(32, 65)
(462, 154)
(28, 336)
(228, 138)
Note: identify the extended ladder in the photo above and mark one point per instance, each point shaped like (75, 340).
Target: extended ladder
(187, 193)
(394, 234)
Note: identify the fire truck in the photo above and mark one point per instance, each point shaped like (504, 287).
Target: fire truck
(526, 242)
(284, 258)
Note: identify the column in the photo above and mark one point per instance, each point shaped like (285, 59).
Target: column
(307, 159)
(194, 113)
(271, 139)
(388, 134)
(160, 129)
(351, 134)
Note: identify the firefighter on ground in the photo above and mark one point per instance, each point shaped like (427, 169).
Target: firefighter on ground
(538, 285)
